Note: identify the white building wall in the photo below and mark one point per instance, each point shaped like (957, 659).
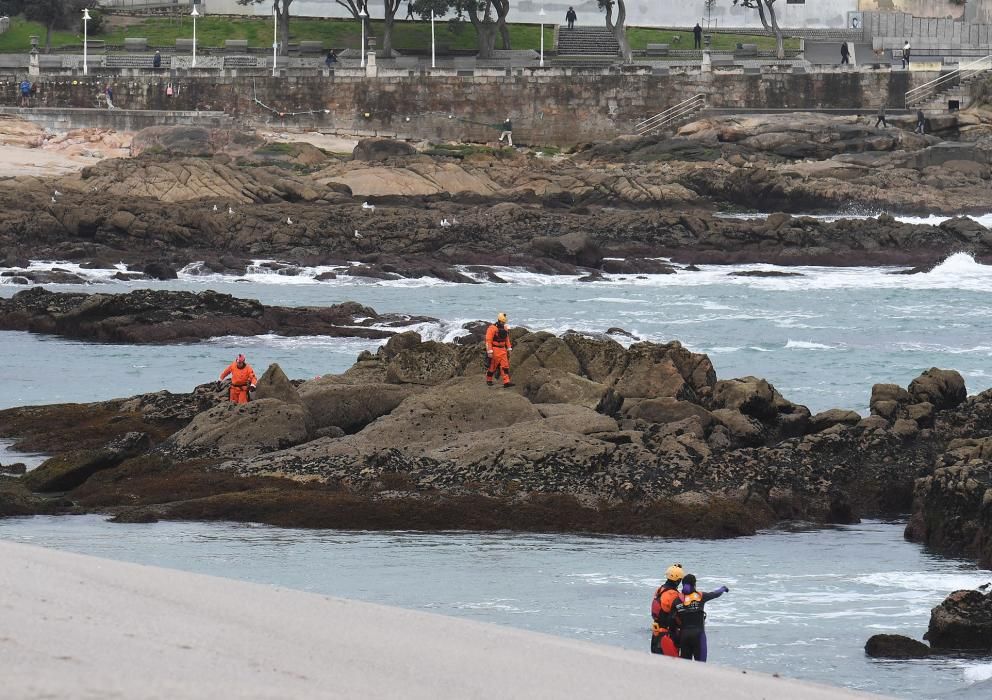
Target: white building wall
(671, 13)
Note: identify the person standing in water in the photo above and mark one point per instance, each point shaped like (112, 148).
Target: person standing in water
(692, 618)
(664, 628)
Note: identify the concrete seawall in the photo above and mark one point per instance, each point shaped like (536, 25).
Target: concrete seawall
(560, 107)
(76, 626)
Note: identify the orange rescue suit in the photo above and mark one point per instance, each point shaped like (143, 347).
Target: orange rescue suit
(498, 348)
(241, 379)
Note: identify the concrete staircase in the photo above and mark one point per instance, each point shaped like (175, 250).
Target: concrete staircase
(586, 42)
(953, 86)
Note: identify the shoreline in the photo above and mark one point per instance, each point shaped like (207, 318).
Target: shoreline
(76, 620)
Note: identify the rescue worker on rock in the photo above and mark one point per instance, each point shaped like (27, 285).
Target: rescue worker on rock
(242, 379)
(692, 618)
(498, 348)
(664, 631)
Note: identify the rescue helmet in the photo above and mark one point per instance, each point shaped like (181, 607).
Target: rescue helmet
(674, 572)
(501, 317)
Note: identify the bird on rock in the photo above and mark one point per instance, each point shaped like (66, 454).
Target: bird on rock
(370, 207)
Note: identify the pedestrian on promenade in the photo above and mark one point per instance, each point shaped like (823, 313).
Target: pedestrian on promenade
(697, 36)
(845, 54)
(570, 17)
(905, 54)
(921, 122)
(331, 59)
(157, 61)
(409, 9)
(108, 92)
(25, 93)
(881, 117)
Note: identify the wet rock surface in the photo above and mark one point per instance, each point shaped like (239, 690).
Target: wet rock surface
(896, 646)
(963, 622)
(631, 438)
(158, 316)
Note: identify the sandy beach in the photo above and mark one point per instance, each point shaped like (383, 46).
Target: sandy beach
(81, 627)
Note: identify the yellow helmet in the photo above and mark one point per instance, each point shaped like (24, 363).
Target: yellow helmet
(674, 572)
(501, 317)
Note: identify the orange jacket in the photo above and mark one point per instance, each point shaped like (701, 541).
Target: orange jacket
(496, 340)
(240, 376)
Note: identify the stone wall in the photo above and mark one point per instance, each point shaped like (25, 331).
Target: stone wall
(555, 107)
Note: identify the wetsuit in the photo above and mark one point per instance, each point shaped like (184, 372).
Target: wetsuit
(664, 631)
(691, 621)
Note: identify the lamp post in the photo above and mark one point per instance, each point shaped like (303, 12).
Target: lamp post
(86, 19)
(275, 37)
(433, 62)
(542, 14)
(194, 14)
(364, 16)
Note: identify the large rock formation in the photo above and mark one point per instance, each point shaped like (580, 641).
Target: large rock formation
(963, 622)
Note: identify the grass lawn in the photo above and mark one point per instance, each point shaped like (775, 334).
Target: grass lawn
(212, 31)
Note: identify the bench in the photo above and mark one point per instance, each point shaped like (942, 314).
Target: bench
(135, 44)
(746, 50)
(722, 63)
(656, 50)
(311, 47)
(118, 60)
(752, 70)
(236, 46)
(240, 62)
(184, 46)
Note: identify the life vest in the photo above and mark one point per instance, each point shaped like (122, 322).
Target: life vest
(498, 336)
(690, 611)
(663, 608)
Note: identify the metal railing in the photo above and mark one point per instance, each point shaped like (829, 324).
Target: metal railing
(671, 115)
(928, 90)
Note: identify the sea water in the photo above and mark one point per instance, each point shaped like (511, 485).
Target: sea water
(802, 602)
(822, 338)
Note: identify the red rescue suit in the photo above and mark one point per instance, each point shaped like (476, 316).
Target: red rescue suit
(242, 379)
(498, 349)
(664, 630)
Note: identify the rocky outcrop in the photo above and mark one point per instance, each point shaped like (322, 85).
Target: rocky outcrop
(963, 622)
(159, 316)
(242, 430)
(274, 384)
(70, 470)
(896, 646)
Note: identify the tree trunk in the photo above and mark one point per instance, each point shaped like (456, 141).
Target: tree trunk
(284, 28)
(504, 33)
(779, 40)
(48, 39)
(390, 8)
(618, 29)
(485, 29)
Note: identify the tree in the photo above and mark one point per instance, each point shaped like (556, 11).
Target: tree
(619, 29)
(489, 19)
(54, 14)
(390, 7)
(354, 7)
(768, 6)
(281, 8)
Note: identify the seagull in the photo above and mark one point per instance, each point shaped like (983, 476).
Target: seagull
(370, 207)
(445, 223)
(357, 234)
(289, 220)
(215, 207)
(57, 194)
(229, 210)
(53, 200)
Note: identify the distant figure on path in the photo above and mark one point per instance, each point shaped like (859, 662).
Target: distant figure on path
(507, 132)
(409, 9)
(905, 54)
(108, 92)
(845, 54)
(881, 116)
(157, 61)
(921, 122)
(331, 59)
(697, 37)
(242, 380)
(692, 618)
(570, 17)
(25, 93)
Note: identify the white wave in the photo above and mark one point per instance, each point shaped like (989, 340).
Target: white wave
(271, 340)
(807, 345)
(930, 220)
(978, 673)
(927, 583)
(721, 349)
(619, 300)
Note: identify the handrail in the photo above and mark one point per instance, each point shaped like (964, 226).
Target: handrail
(930, 87)
(671, 114)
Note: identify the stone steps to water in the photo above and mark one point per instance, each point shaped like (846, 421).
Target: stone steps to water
(587, 41)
